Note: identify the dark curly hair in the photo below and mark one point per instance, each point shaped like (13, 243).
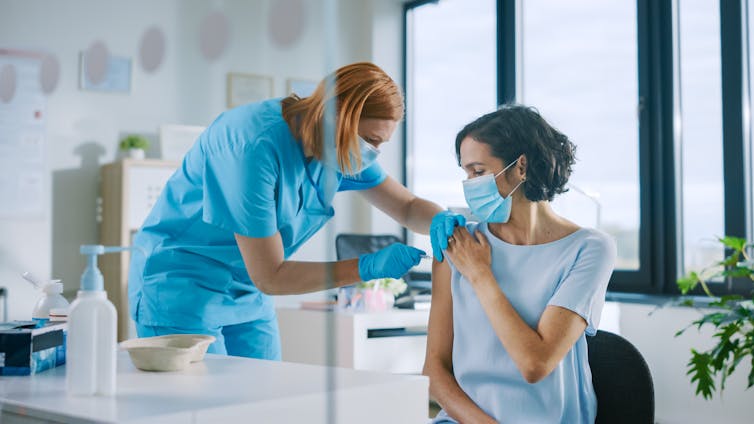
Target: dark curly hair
(514, 130)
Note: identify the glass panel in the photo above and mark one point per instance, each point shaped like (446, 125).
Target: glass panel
(451, 81)
(580, 71)
(749, 170)
(701, 108)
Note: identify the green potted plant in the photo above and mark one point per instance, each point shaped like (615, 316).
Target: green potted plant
(135, 146)
(732, 318)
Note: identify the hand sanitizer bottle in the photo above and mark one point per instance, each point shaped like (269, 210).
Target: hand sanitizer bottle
(52, 298)
(92, 332)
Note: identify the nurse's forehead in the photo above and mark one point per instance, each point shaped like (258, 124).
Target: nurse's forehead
(382, 128)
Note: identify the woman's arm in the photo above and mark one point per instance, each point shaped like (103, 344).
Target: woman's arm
(536, 352)
(403, 206)
(438, 363)
(272, 274)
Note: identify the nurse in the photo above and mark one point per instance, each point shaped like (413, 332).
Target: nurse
(257, 184)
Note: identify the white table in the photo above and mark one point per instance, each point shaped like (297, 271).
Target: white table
(222, 389)
(392, 341)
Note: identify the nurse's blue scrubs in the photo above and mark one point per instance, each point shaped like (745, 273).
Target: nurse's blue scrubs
(246, 174)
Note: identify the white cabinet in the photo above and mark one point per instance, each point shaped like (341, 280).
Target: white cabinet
(128, 189)
(393, 341)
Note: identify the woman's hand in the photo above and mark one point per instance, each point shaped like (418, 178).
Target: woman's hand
(470, 254)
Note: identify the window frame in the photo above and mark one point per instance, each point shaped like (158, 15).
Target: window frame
(658, 97)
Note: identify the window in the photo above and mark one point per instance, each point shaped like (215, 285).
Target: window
(445, 92)
(701, 135)
(580, 71)
(651, 92)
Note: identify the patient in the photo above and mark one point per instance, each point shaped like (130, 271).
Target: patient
(521, 289)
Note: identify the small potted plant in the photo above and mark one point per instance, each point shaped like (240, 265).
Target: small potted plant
(135, 146)
(732, 319)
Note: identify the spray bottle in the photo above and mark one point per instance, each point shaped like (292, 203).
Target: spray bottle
(92, 332)
(52, 298)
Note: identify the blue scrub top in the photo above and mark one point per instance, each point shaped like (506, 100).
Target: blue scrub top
(246, 174)
(572, 273)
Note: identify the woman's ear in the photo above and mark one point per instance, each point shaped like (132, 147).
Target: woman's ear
(522, 166)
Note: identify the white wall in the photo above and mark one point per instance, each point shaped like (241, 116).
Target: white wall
(84, 127)
(652, 330)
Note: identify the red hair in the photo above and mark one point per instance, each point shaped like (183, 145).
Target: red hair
(360, 90)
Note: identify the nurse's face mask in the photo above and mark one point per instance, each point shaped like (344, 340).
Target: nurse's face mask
(485, 200)
(367, 152)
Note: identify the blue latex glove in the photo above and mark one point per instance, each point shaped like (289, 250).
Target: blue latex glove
(441, 228)
(393, 261)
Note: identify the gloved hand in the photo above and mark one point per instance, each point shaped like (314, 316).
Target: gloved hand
(393, 261)
(441, 228)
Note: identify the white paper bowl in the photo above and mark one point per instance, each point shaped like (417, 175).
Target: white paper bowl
(167, 353)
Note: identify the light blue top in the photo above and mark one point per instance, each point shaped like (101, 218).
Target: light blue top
(572, 273)
(246, 174)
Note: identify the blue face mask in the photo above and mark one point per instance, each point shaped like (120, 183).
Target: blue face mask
(485, 200)
(367, 152)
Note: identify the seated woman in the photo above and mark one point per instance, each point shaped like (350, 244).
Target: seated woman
(512, 305)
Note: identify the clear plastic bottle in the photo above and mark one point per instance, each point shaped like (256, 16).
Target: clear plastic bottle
(52, 298)
(92, 333)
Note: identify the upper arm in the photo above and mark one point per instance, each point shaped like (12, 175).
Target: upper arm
(560, 328)
(583, 289)
(391, 197)
(262, 256)
(576, 305)
(440, 331)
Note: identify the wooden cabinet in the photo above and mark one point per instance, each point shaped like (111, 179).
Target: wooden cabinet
(128, 190)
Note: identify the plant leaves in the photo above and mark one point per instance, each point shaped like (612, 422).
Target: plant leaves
(733, 320)
(727, 301)
(699, 370)
(731, 260)
(737, 271)
(684, 302)
(736, 243)
(687, 283)
(715, 318)
(725, 348)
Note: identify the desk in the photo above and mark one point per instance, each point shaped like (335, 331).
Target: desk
(393, 341)
(218, 390)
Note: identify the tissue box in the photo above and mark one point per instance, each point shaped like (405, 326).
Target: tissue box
(26, 349)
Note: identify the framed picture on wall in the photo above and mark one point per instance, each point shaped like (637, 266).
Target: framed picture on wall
(176, 140)
(115, 76)
(302, 87)
(248, 88)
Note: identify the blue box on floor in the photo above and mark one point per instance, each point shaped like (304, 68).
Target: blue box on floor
(26, 349)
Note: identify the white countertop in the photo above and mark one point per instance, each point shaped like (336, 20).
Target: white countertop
(225, 389)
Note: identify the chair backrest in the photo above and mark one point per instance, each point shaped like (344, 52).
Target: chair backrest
(621, 379)
(349, 246)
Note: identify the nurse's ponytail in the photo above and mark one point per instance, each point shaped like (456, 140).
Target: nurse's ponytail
(360, 90)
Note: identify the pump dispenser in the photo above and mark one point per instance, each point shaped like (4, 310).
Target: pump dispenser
(52, 299)
(92, 332)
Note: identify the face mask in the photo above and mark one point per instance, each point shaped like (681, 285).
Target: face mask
(485, 200)
(367, 152)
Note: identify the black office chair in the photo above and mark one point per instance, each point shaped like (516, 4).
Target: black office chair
(349, 246)
(621, 379)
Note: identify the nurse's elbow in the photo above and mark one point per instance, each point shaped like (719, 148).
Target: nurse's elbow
(265, 286)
